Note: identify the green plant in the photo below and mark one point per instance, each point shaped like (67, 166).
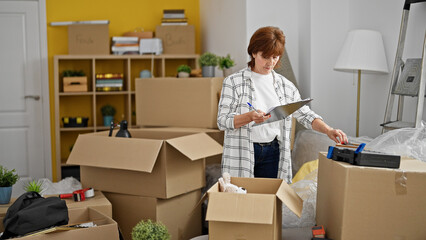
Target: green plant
(148, 230)
(108, 110)
(226, 62)
(208, 59)
(7, 178)
(73, 73)
(33, 186)
(184, 68)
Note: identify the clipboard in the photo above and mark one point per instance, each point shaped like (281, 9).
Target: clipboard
(283, 111)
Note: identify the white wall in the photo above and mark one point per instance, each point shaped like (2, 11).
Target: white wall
(315, 31)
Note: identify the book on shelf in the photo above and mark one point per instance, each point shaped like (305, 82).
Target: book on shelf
(173, 13)
(124, 39)
(109, 84)
(126, 44)
(174, 19)
(125, 53)
(112, 80)
(174, 23)
(109, 75)
(125, 48)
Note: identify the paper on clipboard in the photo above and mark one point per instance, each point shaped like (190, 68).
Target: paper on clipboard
(283, 111)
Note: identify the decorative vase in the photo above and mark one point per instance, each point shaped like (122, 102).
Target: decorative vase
(5, 194)
(227, 72)
(208, 71)
(108, 120)
(183, 74)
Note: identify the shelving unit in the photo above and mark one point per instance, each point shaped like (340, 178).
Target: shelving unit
(88, 104)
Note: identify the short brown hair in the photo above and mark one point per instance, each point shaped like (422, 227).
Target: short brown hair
(268, 40)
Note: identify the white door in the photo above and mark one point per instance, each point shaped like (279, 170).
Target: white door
(22, 128)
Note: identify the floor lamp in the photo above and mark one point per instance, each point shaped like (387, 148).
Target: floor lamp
(363, 51)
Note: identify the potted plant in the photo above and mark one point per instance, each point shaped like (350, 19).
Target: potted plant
(145, 230)
(7, 179)
(208, 62)
(184, 71)
(108, 112)
(226, 64)
(74, 81)
(33, 186)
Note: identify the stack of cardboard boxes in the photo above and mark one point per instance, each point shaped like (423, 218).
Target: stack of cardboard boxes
(159, 172)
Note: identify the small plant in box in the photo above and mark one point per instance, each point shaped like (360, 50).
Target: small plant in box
(184, 71)
(74, 81)
(7, 179)
(108, 112)
(146, 230)
(33, 186)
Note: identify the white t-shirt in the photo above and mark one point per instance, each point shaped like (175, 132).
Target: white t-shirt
(265, 99)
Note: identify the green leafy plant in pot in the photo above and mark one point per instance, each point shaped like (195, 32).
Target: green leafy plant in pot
(184, 71)
(146, 230)
(208, 62)
(7, 179)
(108, 112)
(226, 64)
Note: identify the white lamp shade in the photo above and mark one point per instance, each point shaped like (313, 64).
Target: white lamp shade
(363, 50)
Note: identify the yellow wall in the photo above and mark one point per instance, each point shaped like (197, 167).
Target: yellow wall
(123, 15)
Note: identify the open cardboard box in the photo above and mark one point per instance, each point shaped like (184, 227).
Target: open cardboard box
(152, 163)
(216, 134)
(255, 215)
(177, 102)
(175, 213)
(356, 202)
(106, 228)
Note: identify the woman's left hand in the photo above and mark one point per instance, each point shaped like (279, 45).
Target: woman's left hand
(337, 135)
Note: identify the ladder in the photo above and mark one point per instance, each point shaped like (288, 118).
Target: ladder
(408, 79)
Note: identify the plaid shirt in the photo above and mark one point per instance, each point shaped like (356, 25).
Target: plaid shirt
(238, 151)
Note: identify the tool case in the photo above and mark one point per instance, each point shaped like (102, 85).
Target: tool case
(363, 158)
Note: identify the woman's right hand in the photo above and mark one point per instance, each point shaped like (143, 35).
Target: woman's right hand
(259, 117)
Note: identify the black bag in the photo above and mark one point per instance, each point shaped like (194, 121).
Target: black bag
(32, 212)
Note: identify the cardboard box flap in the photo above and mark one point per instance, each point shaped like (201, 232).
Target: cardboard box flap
(109, 152)
(290, 198)
(241, 208)
(196, 146)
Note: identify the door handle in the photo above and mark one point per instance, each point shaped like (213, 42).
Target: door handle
(35, 97)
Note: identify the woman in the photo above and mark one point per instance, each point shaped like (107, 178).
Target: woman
(262, 150)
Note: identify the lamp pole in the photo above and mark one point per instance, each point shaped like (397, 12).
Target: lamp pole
(358, 101)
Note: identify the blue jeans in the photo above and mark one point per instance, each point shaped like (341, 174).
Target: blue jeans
(266, 158)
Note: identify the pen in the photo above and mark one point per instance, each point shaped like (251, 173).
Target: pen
(252, 107)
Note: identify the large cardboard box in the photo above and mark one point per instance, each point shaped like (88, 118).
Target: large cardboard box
(106, 228)
(178, 102)
(152, 163)
(252, 216)
(88, 39)
(371, 203)
(177, 39)
(175, 213)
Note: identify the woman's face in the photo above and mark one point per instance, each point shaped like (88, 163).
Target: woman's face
(264, 65)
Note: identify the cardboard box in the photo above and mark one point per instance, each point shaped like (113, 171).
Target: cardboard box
(371, 203)
(216, 134)
(175, 213)
(75, 84)
(177, 39)
(151, 163)
(99, 202)
(106, 228)
(178, 102)
(88, 39)
(255, 215)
